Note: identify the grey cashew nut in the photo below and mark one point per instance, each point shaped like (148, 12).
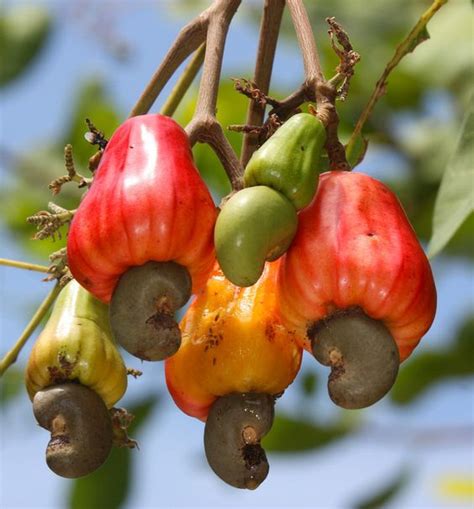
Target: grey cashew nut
(362, 354)
(235, 425)
(142, 309)
(80, 426)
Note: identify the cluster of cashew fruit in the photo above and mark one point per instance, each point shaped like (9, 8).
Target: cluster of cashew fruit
(325, 263)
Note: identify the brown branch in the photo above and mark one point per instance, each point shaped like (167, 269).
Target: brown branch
(184, 82)
(204, 126)
(324, 91)
(189, 39)
(72, 175)
(250, 90)
(281, 110)
(312, 66)
(286, 106)
(269, 30)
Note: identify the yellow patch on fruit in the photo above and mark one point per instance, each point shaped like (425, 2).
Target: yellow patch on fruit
(232, 341)
(76, 346)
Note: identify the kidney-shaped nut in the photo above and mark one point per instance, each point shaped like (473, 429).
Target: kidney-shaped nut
(142, 309)
(80, 426)
(362, 354)
(255, 225)
(235, 425)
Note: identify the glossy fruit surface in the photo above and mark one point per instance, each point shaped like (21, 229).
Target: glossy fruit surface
(255, 225)
(288, 161)
(233, 341)
(147, 203)
(356, 248)
(76, 345)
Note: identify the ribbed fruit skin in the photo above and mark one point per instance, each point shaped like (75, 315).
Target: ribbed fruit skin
(147, 202)
(232, 341)
(289, 161)
(76, 345)
(356, 247)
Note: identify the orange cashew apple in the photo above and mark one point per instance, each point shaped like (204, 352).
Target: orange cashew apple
(236, 357)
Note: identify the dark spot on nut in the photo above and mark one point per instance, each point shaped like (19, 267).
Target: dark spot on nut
(235, 425)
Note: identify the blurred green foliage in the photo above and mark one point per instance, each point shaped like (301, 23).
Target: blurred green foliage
(290, 434)
(12, 385)
(108, 487)
(24, 32)
(28, 192)
(308, 382)
(455, 199)
(387, 493)
(430, 367)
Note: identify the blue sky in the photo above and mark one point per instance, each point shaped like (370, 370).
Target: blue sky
(170, 469)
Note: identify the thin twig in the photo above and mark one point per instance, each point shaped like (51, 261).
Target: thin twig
(293, 101)
(251, 90)
(204, 126)
(23, 265)
(416, 36)
(324, 92)
(312, 66)
(189, 39)
(269, 30)
(184, 82)
(11, 356)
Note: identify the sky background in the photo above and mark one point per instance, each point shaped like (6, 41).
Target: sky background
(170, 469)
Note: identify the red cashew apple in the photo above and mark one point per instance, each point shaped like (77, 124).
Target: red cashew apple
(357, 285)
(144, 233)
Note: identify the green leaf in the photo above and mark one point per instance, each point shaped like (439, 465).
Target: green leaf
(12, 385)
(455, 200)
(308, 383)
(356, 149)
(387, 493)
(24, 31)
(107, 487)
(431, 367)
(293, 434)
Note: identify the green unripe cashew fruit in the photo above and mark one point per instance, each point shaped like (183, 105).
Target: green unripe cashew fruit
(288, 161)
(256, 225)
